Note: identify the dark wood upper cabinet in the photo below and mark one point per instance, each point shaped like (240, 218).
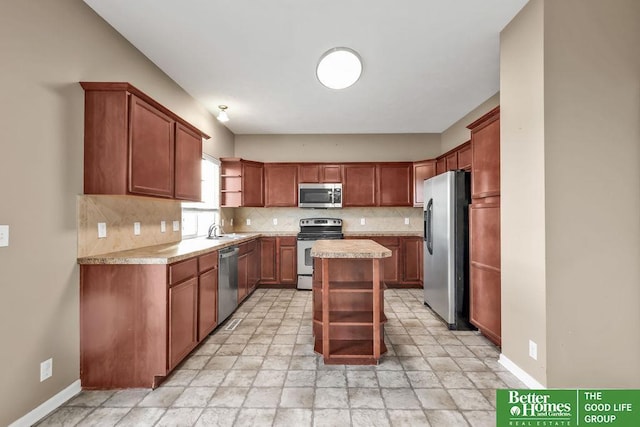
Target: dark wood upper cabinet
(319, 173)
(359, 185)
(464, 156)
(441, 165)
(485, 155)
(421, 170)
(281, 184)
(395, 184)
(130, 144)
(241, 183)
(188, 164)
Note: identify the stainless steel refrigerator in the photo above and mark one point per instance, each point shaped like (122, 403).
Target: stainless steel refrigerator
(446, 247)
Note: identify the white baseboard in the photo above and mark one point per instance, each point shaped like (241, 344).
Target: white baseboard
(49, 406)
(527, 379)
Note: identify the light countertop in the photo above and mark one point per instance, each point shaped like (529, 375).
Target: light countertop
(349, 249)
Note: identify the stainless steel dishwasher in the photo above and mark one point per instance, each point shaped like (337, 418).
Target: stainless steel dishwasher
(227, 282)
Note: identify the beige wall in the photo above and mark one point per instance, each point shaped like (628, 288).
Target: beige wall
(522, 189)
(338, 148)
(47, 48)
(585, 149)
(592, 173)
(458, 133)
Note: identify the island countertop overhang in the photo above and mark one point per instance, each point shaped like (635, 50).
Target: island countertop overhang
(361, 248)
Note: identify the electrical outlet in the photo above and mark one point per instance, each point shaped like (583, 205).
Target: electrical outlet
(231, 222)
(102, 230)
(163, 226)
(176, 225)
(46, 369)
(136, 228)
(533, 350)
(406, 221)
(4, 235)
(275, 221)
(362, 221)
(248, 221)
(222, 222)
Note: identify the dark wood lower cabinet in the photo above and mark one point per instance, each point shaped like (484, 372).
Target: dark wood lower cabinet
(207, 302)
(268, 270)
(278, 261)
(243, 277)
(287, 260)
(484, 285)
(183, 320)
(412, 260)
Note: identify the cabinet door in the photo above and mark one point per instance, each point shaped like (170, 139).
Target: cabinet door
(484, 285)
(243, 276)
(188, 174)
(395, 184)
(281, 184)
(288, 268)
(441, 166)
(464, 156)
(412, 259)
(421, 171)
(252, 184)
(183, 320)
(207, 303)
(268, 270)
(309, 172)
(331, 173)
(359, 186)
(151, 150)
(254, 269)
(451, 161)
(391, 266)
(485, 156)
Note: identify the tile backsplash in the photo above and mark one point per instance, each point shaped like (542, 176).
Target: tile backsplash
(287, 219)
(119, 213)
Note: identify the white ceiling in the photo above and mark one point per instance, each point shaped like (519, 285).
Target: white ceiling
(426, 63)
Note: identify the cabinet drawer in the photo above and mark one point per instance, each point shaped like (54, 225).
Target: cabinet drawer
(208, 261)
(386, 240)
(183, 270)
(287, 240)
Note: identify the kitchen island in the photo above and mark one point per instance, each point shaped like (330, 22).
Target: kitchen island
(348, 303)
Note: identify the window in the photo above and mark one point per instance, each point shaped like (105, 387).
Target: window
(197, 217)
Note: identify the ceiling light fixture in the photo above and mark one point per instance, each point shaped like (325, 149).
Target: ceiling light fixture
(339, 68)
(222, 115)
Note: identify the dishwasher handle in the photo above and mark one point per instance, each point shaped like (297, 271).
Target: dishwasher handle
(228, 252)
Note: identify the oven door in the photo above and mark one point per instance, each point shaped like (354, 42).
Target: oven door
(305, 264)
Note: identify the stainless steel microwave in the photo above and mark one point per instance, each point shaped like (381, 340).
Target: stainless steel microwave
(319, 195)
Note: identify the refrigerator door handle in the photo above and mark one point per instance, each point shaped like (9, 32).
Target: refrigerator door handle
(428, 233)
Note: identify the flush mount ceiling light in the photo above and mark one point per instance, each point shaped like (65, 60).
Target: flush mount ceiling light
(339, 68)
(222, 115)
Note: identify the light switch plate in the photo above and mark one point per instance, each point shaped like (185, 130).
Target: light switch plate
(406, 221)
(163, 226)
(46, 369)
(275, 221)
(362, 221)
(222, 222)
(248, 221)
(102, 230)
(176, 225)
(4, 235)
(533, 350)
(136, 228)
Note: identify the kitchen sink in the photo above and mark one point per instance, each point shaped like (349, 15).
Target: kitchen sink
(229, 236)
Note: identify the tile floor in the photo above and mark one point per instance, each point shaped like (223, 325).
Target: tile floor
(265, 373)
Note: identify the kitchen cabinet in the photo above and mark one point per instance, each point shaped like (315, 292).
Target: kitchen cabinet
(485, 155)
(464, 156)
(151, 150)
(484, 226)
(281, 184)
(441, 165)
(207, 294)
(391, 266)
(359, 185)
(412, 261)
(241, 183)
(188, 164)
(248, 268)
(268, 269)
(451, 161)
(278, 260)
(395, 183)
(183, 326)
(319, 173)
(421, 170)
(134, 145)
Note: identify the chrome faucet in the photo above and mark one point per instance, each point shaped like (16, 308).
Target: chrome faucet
(214, 231)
